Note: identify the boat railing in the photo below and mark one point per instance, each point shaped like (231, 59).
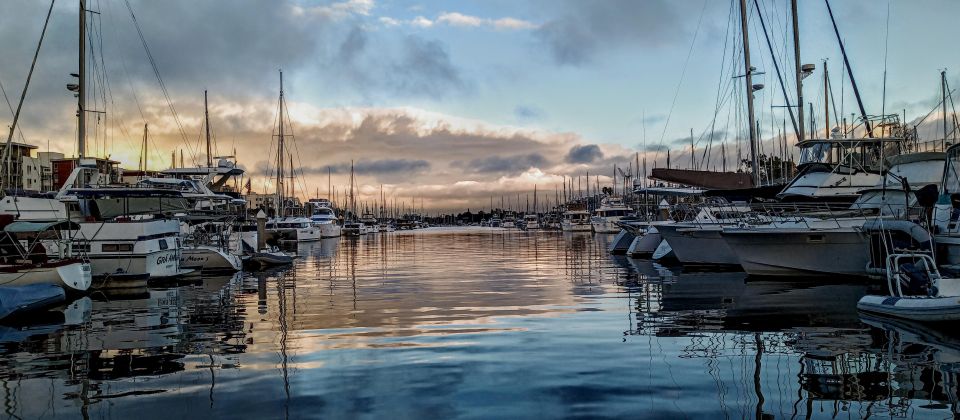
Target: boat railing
(809, 215)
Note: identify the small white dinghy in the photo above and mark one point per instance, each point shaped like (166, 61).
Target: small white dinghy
(917, 291)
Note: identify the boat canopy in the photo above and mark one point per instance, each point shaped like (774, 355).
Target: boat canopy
(34, 227)
(670, 191)
(123, 192)
(915, 231)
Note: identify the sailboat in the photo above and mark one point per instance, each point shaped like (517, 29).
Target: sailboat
(126, 233)
(286, 224)
(354, 227)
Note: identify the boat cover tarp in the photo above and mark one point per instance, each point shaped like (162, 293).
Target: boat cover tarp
(917, 232)
(704, 179)
(33, 227)
(17, 300)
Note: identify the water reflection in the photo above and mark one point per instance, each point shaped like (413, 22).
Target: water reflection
(476, 323)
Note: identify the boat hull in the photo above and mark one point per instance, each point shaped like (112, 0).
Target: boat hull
(329, 230)
(70, 275)
(621, 243)
(605, 226)
(699, 245)
(644, 245)
(798, 253)
(576, 227)
(209, 259)
(926, 309)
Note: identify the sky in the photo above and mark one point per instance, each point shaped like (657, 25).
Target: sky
(458, 103)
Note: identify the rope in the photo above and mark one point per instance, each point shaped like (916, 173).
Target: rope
(683, 73)
(163, 87)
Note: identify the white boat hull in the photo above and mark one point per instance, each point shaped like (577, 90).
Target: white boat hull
(699, 245)
(207, 258)
(795, 252)
(576, 227)
(329, 230)
(606, 226)
(71, 277)
(153, 265)
(644, 245)
(927, 309)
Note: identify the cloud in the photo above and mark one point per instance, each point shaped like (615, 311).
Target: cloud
(457, 19)
(372, 167)
(584, 153)
(507, 23)
(339, 10)
(389, 21)
(523, 112)
(425, 69)
(588, 28)
(509, 164)
(421, 22)
(512, 23)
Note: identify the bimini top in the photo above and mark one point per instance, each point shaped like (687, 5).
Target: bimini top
(34, 227)
(123, 192)
(670, 191)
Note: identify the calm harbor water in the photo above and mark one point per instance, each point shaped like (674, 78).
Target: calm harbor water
(476, 323)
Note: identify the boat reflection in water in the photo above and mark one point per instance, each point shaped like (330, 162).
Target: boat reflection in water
(440, 323)
(846, 365)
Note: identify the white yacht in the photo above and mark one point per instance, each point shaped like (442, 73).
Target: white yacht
(837, 170)
(126, 233)
(354, 228)
(325, 218)
(385, 226)
(495, 222)
(292, 228)
(832, 242)
(370, 222)
(531, 221)
(576, 219)
(509, 220)
(698, 241)
(605, 218)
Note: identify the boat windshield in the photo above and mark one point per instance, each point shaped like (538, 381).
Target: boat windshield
(815, 153)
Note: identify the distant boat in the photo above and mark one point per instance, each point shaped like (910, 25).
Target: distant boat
(611, 210)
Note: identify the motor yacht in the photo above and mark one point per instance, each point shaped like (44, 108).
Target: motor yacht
(605, 217)
(324, 217)
(820, 240)
(576, 219)
(531, 221)
(293, 228)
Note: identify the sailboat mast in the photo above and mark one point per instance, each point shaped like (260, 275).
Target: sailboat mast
(144, 148)
(943, 93)
(748, 79)
(206, 122)
(798, 70)
(81, 84)
(353, 200)
(280, 153)
(826, 101)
